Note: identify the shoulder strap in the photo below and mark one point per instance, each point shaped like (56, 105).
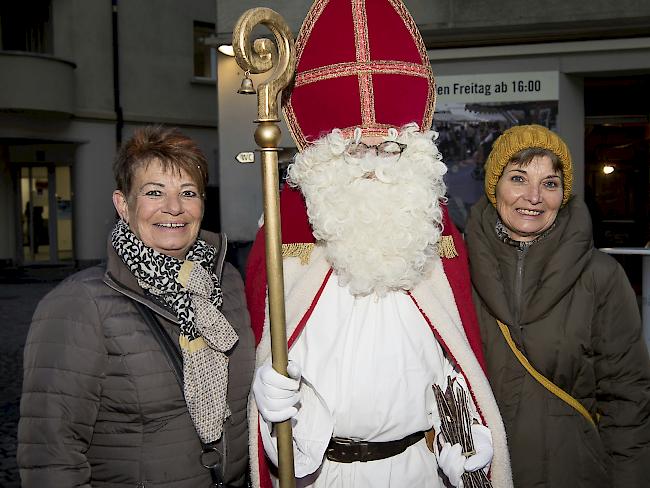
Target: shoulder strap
(175, 360)
(546, 383)
(221, 255)
(168, 347)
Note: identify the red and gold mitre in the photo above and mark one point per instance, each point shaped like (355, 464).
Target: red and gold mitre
(360, 63)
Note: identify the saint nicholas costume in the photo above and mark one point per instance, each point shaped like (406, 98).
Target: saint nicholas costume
(368, 362)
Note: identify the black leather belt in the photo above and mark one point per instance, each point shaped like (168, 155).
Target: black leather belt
(348, 451)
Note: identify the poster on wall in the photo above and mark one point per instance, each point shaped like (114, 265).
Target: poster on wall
(472, 111)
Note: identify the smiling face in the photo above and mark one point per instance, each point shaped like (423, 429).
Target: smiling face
(529, 197)
(164, 208)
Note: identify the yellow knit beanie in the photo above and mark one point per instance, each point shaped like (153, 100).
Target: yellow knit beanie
(522, 137)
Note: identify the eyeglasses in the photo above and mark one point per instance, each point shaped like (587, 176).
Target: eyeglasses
(389, 150)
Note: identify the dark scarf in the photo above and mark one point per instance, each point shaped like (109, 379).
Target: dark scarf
(192, 291)
(502, 233)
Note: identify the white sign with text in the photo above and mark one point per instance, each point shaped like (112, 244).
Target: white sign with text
(498, 87)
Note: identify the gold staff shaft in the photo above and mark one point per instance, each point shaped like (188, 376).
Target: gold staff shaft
(276, 306)
(258, 58)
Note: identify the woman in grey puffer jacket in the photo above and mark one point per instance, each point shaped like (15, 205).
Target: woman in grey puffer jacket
(102, 404)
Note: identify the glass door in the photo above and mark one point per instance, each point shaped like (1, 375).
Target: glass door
(34, 190)
(46, 215)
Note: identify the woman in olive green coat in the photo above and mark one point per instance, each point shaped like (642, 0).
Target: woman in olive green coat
(570, 311)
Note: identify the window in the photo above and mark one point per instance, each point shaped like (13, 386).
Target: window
(26, 26)
(205, 56)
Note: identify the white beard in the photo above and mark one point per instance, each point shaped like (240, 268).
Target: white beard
(379, 233)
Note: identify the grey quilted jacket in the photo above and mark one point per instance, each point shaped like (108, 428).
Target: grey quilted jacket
(101, 405)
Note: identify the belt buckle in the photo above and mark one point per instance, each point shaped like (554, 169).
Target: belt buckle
(346, 450)
(357, 450)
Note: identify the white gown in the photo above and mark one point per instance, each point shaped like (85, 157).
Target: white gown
(368, 367)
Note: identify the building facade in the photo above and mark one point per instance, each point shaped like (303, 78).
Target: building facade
(579, 68)
(76, 78)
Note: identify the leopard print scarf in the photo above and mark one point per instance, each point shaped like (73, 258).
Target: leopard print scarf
(192, 291)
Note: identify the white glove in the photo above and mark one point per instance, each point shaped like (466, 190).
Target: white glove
(275, 394)
(483, 447)
(452, 462)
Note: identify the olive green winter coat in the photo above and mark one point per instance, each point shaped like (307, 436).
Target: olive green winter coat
(101, 405)
(572, 312)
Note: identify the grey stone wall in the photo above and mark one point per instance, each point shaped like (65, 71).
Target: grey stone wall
(446, 23)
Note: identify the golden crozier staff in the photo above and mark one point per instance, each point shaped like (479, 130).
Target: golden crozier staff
(257, 58)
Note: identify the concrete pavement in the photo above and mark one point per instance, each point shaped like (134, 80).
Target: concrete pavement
(20, 292)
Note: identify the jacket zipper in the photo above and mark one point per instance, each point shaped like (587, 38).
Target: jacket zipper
(519, 283)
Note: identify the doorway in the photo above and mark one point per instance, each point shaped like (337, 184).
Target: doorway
(45, 224)
(617, 165)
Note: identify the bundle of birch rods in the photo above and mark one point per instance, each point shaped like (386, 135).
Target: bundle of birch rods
(456, 427)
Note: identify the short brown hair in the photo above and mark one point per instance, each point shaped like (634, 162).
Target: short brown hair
(525, 156)
(171, 147)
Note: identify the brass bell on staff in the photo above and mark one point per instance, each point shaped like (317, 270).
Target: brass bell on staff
(246, 87)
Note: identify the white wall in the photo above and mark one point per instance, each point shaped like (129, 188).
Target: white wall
(82, 34)
(157, 62)
(465, 14)
(228, 11)
(571, 125)
(241, 188)
(93, 184)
